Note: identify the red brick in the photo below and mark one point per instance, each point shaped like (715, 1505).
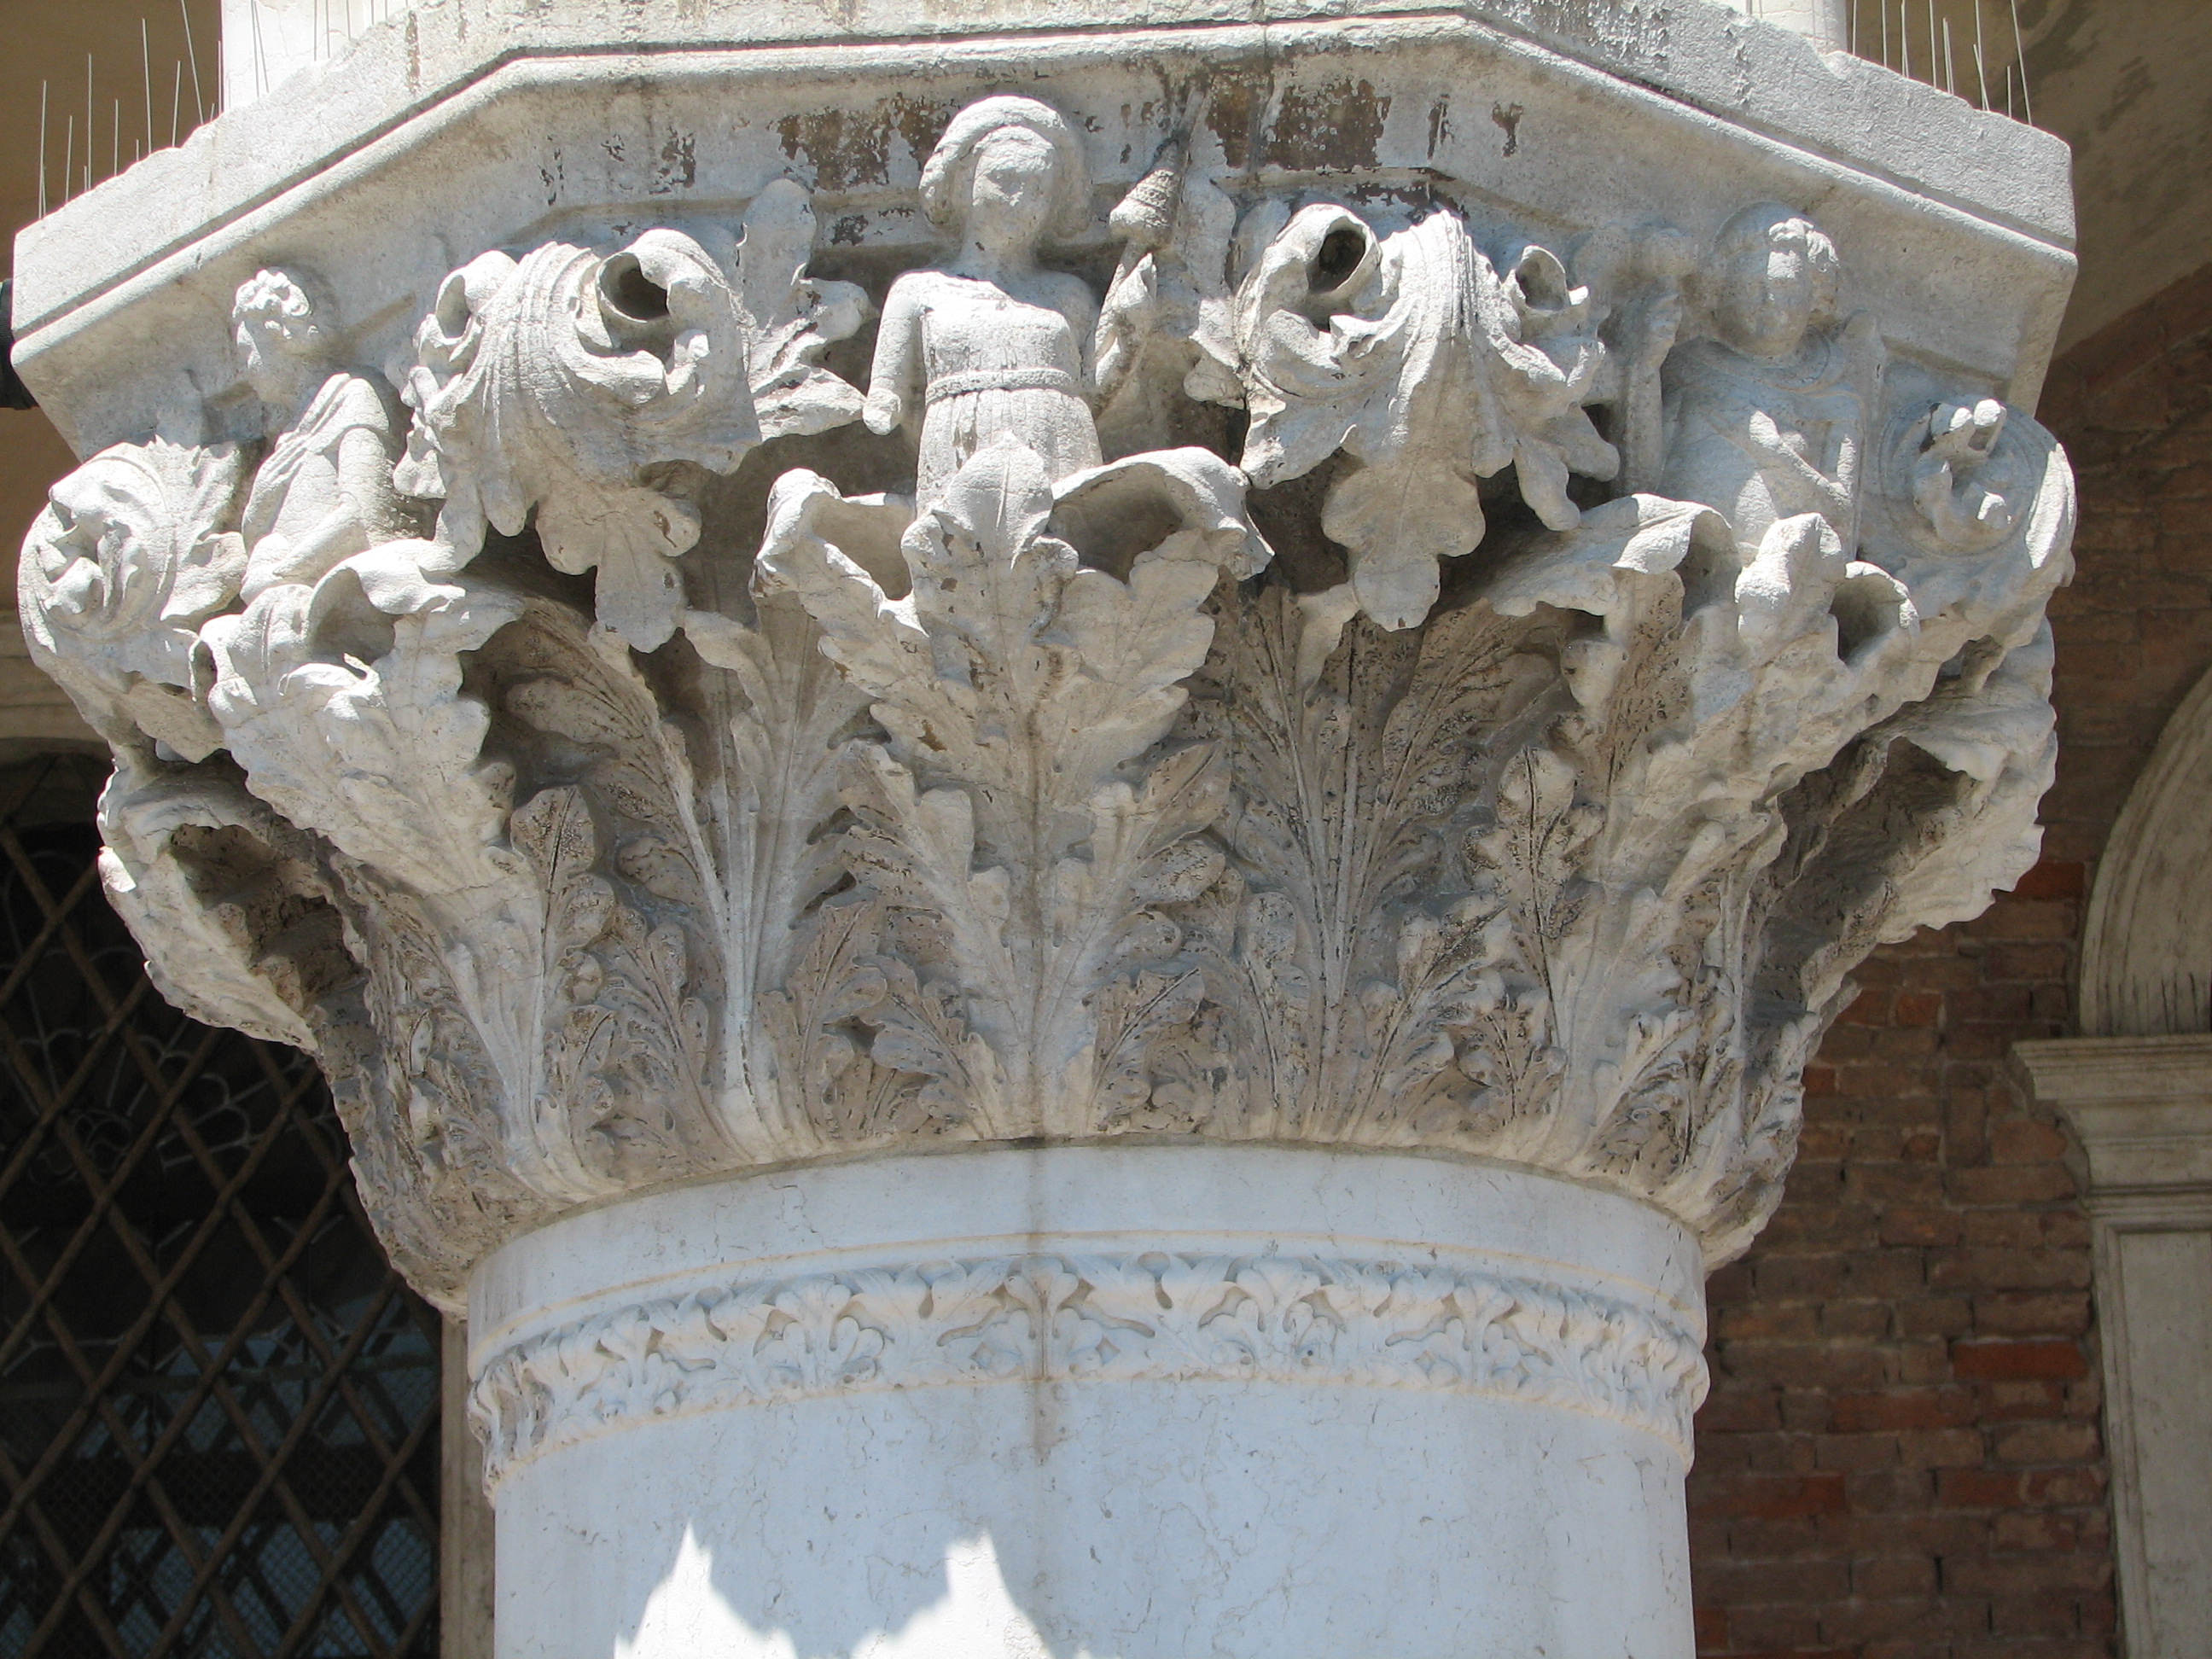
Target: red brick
(1784, 1498)
(1940, 1448)
(1905, 1408)
(2046, 1442)
(1917, 1008)
(1919, 1226)
(2042, 1361)
(2048, 880)
(2056, 1313)
(2024, 1141)
(1784, 1633)
(2021, 1575)
(2009, 1270)
(2011, 1183)
(1849, 1452)
(1889, 1575)
(2035, 1530)
(1979, 1489)
(2081, 1485)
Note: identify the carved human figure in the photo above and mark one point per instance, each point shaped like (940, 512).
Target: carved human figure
(1951, 485)
(323, 492)
(1768, 420)
(991, 342)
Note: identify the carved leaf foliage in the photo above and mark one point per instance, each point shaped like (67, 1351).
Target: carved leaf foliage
(626, 1045)
(1413, 355)
(423, 1103)
(1017, 818)
(1016, 685)
(353, 724)
(1356, 947)
(134, 551)
(815, 1031)
(784, 715)
(550, 383)
(593, 718)
(204, 952)
(1531, 856)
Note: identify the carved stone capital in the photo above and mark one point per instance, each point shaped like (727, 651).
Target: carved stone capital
(1388, 676)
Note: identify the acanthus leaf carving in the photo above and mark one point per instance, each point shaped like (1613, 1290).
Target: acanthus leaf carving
(133, 552)
(1016, 684)
(1432, 370)
(558, 389)
(208, 878)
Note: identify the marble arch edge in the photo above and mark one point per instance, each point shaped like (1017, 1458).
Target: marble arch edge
(1365, 587)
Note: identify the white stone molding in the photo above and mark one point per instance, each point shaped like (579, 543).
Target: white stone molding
(1178, 1309)
(1826, 23)
(1135, 1349)
(2147, 941)
(2142, 1108)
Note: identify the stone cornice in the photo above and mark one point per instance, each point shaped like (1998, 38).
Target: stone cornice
(1750, 74)
(2142, 1107)
(167, 238)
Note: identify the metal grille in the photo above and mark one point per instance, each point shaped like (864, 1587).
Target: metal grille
(218, 1405)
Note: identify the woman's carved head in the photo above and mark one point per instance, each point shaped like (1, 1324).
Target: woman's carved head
(1774, 276)
(1009, 170)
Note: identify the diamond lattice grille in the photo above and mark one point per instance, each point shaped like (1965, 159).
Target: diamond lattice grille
(218, 1405)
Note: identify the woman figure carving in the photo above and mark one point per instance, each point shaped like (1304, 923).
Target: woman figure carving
(991, 342)
(324, 492)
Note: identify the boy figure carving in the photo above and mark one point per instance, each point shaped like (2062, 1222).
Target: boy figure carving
(1769, 420)
(324, 492)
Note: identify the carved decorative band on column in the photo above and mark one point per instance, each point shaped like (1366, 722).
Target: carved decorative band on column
(1188, 1313)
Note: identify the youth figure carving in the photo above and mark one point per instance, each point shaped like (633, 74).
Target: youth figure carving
(325, 491)
(1769, 419)
(991, 342)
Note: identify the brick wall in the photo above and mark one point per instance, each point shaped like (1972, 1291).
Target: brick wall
(1901, 1456)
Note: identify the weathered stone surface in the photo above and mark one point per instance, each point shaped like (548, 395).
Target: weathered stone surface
(1250, 1400)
